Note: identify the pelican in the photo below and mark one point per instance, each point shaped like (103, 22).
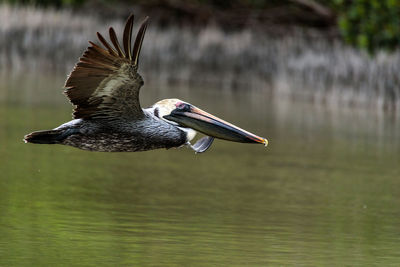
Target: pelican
(104, 89)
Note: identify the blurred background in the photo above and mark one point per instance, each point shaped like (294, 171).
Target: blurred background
(318, 78)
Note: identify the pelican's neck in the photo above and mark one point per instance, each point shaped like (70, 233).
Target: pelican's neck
(190, 133)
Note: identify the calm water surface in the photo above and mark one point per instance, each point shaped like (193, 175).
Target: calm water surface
(325, 192)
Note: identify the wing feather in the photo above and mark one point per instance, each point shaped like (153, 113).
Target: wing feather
(128, 37)
(139, 41)
(104, 83)
(107, 45)
(114, 40)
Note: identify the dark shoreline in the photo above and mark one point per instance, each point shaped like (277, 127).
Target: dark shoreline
(234, 15)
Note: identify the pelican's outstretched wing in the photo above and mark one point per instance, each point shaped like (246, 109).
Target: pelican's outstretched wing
(105, 83)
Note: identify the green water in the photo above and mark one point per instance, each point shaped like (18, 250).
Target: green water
(326, 192)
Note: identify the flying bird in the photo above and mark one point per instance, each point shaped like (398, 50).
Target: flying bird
(104, 89)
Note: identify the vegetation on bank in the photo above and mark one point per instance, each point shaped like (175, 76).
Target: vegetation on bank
(367, 24)
(370, 24)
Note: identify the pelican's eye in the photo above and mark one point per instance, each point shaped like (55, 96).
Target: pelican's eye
(182, 106)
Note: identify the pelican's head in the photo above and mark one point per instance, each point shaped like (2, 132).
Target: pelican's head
(165, 107)
(188, 116)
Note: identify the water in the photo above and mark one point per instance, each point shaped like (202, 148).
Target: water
(326, 191)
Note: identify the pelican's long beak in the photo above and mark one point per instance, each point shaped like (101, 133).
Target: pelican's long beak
(197, 119)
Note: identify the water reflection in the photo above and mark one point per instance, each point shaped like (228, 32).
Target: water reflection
(325, 192)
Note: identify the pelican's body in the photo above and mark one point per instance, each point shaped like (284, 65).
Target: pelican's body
(104, 87)
(145, 134)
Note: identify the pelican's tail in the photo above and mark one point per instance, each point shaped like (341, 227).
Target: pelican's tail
(46, 137)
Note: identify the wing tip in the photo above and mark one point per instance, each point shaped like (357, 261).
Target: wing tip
(127, 37)
(139, 41)
(114, 40)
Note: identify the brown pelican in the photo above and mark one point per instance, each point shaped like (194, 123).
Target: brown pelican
(104, 89)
